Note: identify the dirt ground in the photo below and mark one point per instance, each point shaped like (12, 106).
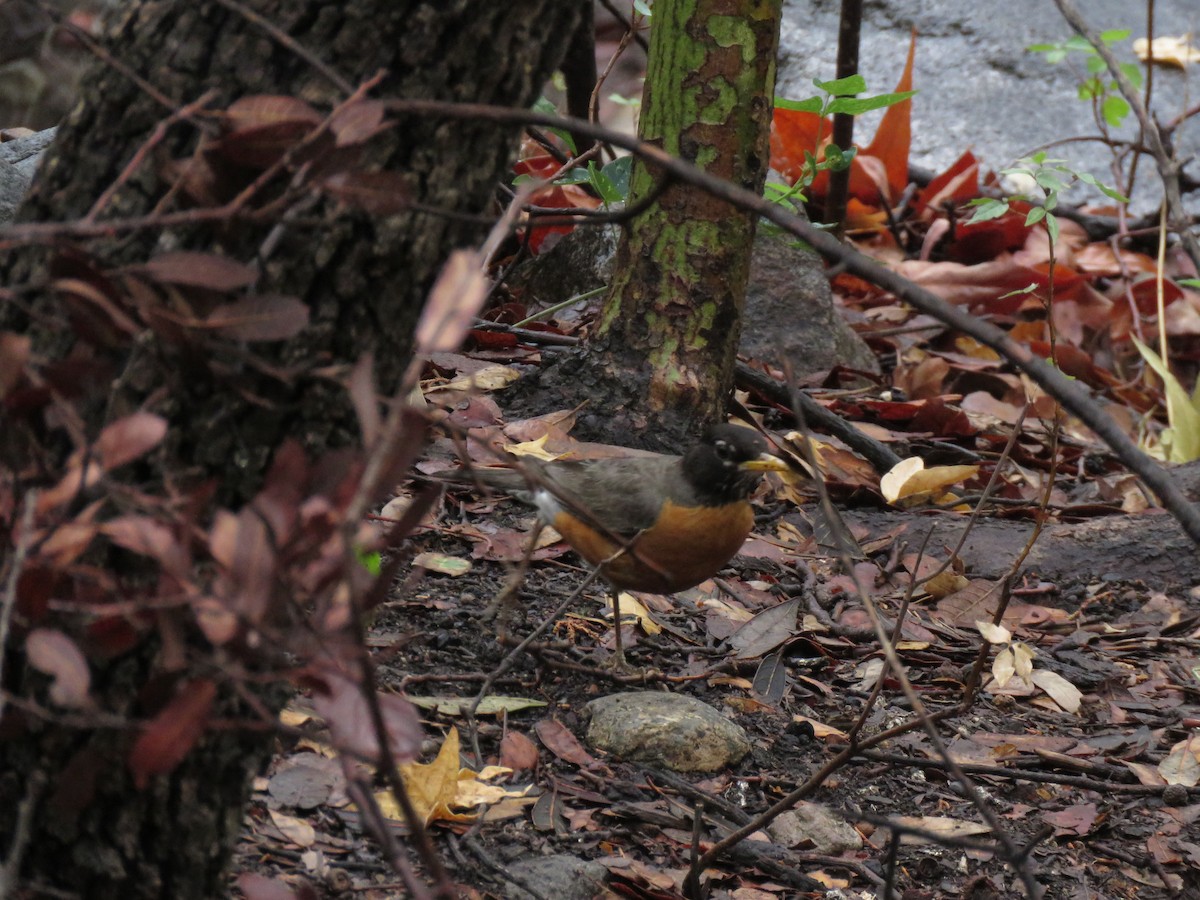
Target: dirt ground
(1079, 796)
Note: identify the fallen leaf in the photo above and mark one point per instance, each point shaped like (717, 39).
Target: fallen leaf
(431, 787)
(1167, 50)
(1182, 764)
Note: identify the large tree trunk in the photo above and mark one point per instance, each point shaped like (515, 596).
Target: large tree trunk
(662, 353)
(229, 404)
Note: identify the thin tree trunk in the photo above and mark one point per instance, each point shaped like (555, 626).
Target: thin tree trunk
(667, 339)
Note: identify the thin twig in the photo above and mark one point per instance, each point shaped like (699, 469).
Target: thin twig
(1168, 167)
(9, 603)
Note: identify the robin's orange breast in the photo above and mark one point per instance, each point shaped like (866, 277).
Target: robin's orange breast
(684, 546)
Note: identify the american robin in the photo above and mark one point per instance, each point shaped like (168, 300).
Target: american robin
(658, 524)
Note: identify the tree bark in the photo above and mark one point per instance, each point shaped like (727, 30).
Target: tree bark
(666, 342)
(362, 280)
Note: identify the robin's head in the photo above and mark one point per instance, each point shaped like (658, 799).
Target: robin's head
(727, 464)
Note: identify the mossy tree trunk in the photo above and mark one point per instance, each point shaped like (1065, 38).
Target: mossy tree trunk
(71, 819)
(664, 348)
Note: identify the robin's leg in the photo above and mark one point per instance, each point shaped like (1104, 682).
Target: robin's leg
(618, 662)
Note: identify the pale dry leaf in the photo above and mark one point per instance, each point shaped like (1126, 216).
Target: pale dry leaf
(1003, 667)
(1182, 764)
(1168, 50)
(994, 634)
(1068, 697)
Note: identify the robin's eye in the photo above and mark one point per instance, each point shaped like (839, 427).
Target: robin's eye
(724, 450)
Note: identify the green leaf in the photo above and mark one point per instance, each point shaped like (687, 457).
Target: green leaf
(621, 100)
(1052, 227)
(1076, 42)
(837, 159)
(1133, 72)
(1049, 181)
(575, 176)
(812, 104)
(1189, 282)
(986, 209)
(617, 173)
(842, 87)
(1182, 442)
(1088, 178)
(604, 187)
(1114, 34)
(1035, 215)
(371, 561)
(546, 107)
(642, 7)
(1114, 109)
(856, 106)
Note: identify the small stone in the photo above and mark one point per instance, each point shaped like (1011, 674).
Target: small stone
(816, 826)
(679, 733)
(562, 877)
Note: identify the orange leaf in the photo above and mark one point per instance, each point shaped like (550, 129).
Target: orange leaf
(792, 133)
(892, 140)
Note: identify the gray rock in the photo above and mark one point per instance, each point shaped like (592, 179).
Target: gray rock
(558, 877)
(979, 87)
(790, 310)
(791, 314)
(816, 826)
(679, 733)
(18, 162)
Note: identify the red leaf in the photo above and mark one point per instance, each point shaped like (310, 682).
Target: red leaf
(14, 353)
(202, 270)
(113, 635)
(365, 400)
(358, 122)
(173, 732)
(562, 743)
(955, 186)
(517, 752)
(114, 318)
(149, 537)
(260, 887)
(453, 304)
(340, 702)
(260, 317)
(53, 653)
(283, 491)
(242, 546)
(378, 193)
(264, 127)
(129, 438)
(269, 109)
(894, 135)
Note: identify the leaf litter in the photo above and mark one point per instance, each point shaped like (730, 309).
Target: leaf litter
(1086, 714)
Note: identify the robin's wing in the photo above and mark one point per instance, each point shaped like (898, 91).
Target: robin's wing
(624, 496)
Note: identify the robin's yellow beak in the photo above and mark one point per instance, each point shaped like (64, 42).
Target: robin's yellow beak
(764, 462)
